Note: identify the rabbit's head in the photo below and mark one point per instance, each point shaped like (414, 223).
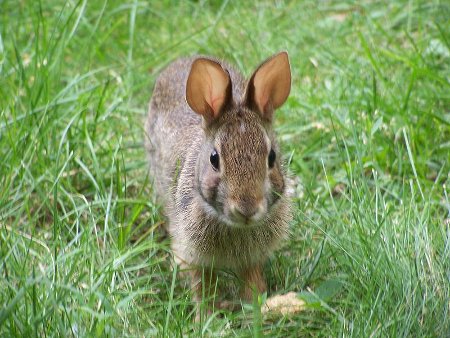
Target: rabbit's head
(239, 175)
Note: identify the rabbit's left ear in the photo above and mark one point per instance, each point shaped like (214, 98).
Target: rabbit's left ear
(269, 86)
(208, 89)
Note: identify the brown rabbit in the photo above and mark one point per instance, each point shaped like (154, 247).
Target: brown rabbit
(215, 164)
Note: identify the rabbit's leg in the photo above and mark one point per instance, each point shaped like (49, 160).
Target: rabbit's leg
(203, 284)
(253, 279)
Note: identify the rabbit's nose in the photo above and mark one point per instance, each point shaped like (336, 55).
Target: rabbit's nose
(246, 210)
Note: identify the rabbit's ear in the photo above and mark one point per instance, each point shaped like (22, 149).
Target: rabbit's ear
(269, 86)
(208, 89)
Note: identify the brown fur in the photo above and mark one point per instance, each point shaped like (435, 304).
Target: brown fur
(234, 217)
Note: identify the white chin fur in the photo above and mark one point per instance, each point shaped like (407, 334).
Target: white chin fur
(254, 222)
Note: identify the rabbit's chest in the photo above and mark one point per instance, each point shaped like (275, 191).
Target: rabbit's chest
(224, 247)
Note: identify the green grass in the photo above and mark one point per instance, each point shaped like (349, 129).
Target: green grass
(366, 132)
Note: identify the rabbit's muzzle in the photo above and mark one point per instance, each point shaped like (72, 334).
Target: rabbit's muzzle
(246, 211)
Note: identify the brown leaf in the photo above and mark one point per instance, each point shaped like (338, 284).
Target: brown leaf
(287, 304)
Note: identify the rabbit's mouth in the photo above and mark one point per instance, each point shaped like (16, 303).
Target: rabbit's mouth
(243, 224)
(238, 212)
(246, 224)
(245, 215)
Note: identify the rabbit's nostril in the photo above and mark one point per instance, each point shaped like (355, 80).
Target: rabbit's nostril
(243, 212)
(239, 215)
(247, 210)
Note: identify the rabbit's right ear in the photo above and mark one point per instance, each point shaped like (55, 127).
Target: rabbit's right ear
(208, 89)
(269, 86)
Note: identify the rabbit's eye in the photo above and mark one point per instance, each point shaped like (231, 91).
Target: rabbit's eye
(272, 158)
(214, 159)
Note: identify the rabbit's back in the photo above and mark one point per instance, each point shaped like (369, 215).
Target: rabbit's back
(168, 100)
(166, 121)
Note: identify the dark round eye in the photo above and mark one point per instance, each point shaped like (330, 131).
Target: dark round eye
(214, 159)
(272, 158)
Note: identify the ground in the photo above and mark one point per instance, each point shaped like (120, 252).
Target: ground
(365, 133)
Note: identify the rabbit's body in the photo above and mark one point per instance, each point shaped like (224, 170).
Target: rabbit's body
(223, 194)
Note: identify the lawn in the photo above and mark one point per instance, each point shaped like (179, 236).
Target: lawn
(365, 134)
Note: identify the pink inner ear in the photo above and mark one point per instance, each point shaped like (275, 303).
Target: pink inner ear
(216, 103)
(262, 100)
(272, 82)
(207, 88)
(218, 83)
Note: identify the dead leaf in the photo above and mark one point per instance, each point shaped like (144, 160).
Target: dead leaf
(287, 304)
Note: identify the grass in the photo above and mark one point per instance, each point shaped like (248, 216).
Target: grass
(366, 133)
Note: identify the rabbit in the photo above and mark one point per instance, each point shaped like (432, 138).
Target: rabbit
(216, 166)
